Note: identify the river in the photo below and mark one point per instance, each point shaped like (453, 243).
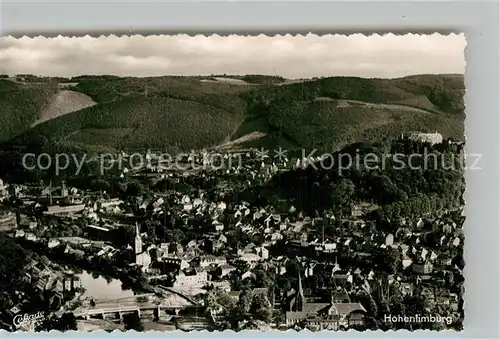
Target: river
(98, 287)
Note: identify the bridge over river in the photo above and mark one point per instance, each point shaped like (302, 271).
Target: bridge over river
(161, 300)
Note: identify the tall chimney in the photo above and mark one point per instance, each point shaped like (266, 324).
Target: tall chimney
(50, 192)
(323, 234)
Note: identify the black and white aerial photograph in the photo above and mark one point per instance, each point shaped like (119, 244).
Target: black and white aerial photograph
(206, 182)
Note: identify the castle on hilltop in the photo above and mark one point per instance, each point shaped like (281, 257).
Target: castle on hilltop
(431, 138)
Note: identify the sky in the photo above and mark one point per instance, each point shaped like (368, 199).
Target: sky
(292, 57)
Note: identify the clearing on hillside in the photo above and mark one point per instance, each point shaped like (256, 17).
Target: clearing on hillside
(65, 102)
(234, 144)
(230, 81)
(357, 103)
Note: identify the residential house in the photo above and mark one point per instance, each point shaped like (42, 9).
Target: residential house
(180, 262)
(108, 205)
(74, 252)
(389, 239)
(31, 237)
(192, 245)
(163, 250)
(218, 226)
(68, 284)
(422, 267)
(234, 295)
(309, 269)
(209, 260)
(406, 261)
(250, 258)
(247, 275)
(328, 246)
(262, 252)
(224, 270)
(406, 288)
(221, 285)
(20, 234)
(429, 297)
(275, 236)
(53, 243)
(7, 218)
(342, 277)
(444, 259)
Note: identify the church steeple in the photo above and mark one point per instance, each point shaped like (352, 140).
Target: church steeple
(300, 300)
(138, 239)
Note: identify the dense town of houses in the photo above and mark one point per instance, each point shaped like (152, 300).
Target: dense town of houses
(211, 261)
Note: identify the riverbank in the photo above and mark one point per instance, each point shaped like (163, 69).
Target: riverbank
(91, 325)
(131, 277)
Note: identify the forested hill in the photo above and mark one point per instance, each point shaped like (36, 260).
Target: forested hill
(333, 112)
(409, 178)
(183, 113)
(20, 105)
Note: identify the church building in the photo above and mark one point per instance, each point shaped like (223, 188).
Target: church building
(337, 314)
(142, 258)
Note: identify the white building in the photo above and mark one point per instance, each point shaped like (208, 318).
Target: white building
(250, 258)
(431, 138)
(142, 259)
(212, 260)
(389, 239)
(55, 209)
(191, 279)
(3, 189)
(67, 284)
(53, 243)
(138, 240)
(263, 252)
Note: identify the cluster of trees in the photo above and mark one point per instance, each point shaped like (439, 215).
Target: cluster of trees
(414, 207)
(104, 89)
(390, 302)
(182, 113)
(164, 228)
(20, 105)
(177, 113)
(262, 79)
(116, 266)
(248, 307)
(444, 92)
(132, 321)
(398, 182)
(136, 124)
(67, 322)
(293, 110)
(13, 259)
(323, 125)
(37, 79)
